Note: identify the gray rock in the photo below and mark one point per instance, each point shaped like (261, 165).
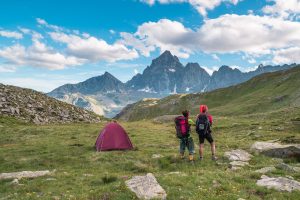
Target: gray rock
(146, 187)
(279, 183)
(266, 170)
(276, 149)
(287, 167)
(24, 174)
(155, 156)
(238, 155)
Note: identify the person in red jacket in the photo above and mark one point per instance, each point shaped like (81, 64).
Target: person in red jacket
(203, 128)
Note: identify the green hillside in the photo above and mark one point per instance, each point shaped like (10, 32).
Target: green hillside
(264, 93)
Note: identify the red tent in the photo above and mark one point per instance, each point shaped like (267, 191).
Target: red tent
(113, 137)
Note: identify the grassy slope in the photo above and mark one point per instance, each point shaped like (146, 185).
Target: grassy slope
(263, 93)
(82, 173)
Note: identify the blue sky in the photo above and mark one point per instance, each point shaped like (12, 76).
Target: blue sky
(44, 44)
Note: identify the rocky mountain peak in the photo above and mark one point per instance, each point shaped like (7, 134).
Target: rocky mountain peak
(166, 59)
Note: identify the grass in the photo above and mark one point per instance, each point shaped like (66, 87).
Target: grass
(82, 173)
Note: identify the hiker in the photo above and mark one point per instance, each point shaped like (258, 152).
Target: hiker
(203, 128)
(183, 129)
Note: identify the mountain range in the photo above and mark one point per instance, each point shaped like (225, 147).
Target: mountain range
(106, 95)
(276, 92)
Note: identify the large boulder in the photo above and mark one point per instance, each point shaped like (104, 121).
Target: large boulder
(279, 183)
(146, 187)
(276, 149)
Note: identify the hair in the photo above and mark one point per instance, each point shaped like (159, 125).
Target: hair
(185, 113)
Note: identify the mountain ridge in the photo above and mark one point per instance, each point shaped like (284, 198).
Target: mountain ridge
(106, 95)
(263, 93)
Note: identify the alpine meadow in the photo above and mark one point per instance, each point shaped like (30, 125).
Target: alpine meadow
(150, 99)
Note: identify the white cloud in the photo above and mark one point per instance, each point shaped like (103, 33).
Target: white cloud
(6, 68)
(112, 32)
(135, 71)
(164, 34)
(251, 61)
(39, 84)
(283, 8)
(50, 26)
(93, 49)
(200, 5)
(37, 55)
(225, 34)
(215, 57)
(287, 56)
(11, 34)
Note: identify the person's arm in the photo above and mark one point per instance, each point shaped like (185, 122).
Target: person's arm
(197, 125)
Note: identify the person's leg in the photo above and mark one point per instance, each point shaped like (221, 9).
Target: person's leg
(191, 148)
(201, 146)
(182, 148)
(212, 146)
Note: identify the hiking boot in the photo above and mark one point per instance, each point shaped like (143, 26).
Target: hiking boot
(191, 158)
(182, 156)
(214, 158)
(200, 158)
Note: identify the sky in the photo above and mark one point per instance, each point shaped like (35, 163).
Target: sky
(45, 44)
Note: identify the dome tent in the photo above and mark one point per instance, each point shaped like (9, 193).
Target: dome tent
(113, 137)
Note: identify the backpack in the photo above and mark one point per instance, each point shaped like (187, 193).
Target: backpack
(202, 125)
(182, 127)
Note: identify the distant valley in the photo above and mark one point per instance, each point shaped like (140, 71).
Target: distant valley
(106, 95)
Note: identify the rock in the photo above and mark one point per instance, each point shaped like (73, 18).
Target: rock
(238, 155)
(238, 163)
(154, 156)
(279, 183)
(216, 184)
(265, 170)
(287, 167)
(177, 173)
(24, 174)
(146, 187)
(15, 182)
(276, 149)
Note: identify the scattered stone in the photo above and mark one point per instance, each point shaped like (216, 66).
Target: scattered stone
(177, 173)
(238, 158)
(154, 156)
(241, 199)
(32, 106)
(234, 165)
(24, 174)
(146, 187)
(51, 179)
(279, 183)
(88, 175)
(287, 167)
(15, 182)
(216, 184)
(266, 170)
(238, 155)
(276, 149)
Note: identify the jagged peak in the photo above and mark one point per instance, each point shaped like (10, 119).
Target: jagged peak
(166, 56)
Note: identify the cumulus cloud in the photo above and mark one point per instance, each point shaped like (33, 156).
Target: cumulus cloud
(37, 55)
(93, 49)
(283, 8)
(225, 34)
(11, 34)
(200, 5)
(287, 56)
